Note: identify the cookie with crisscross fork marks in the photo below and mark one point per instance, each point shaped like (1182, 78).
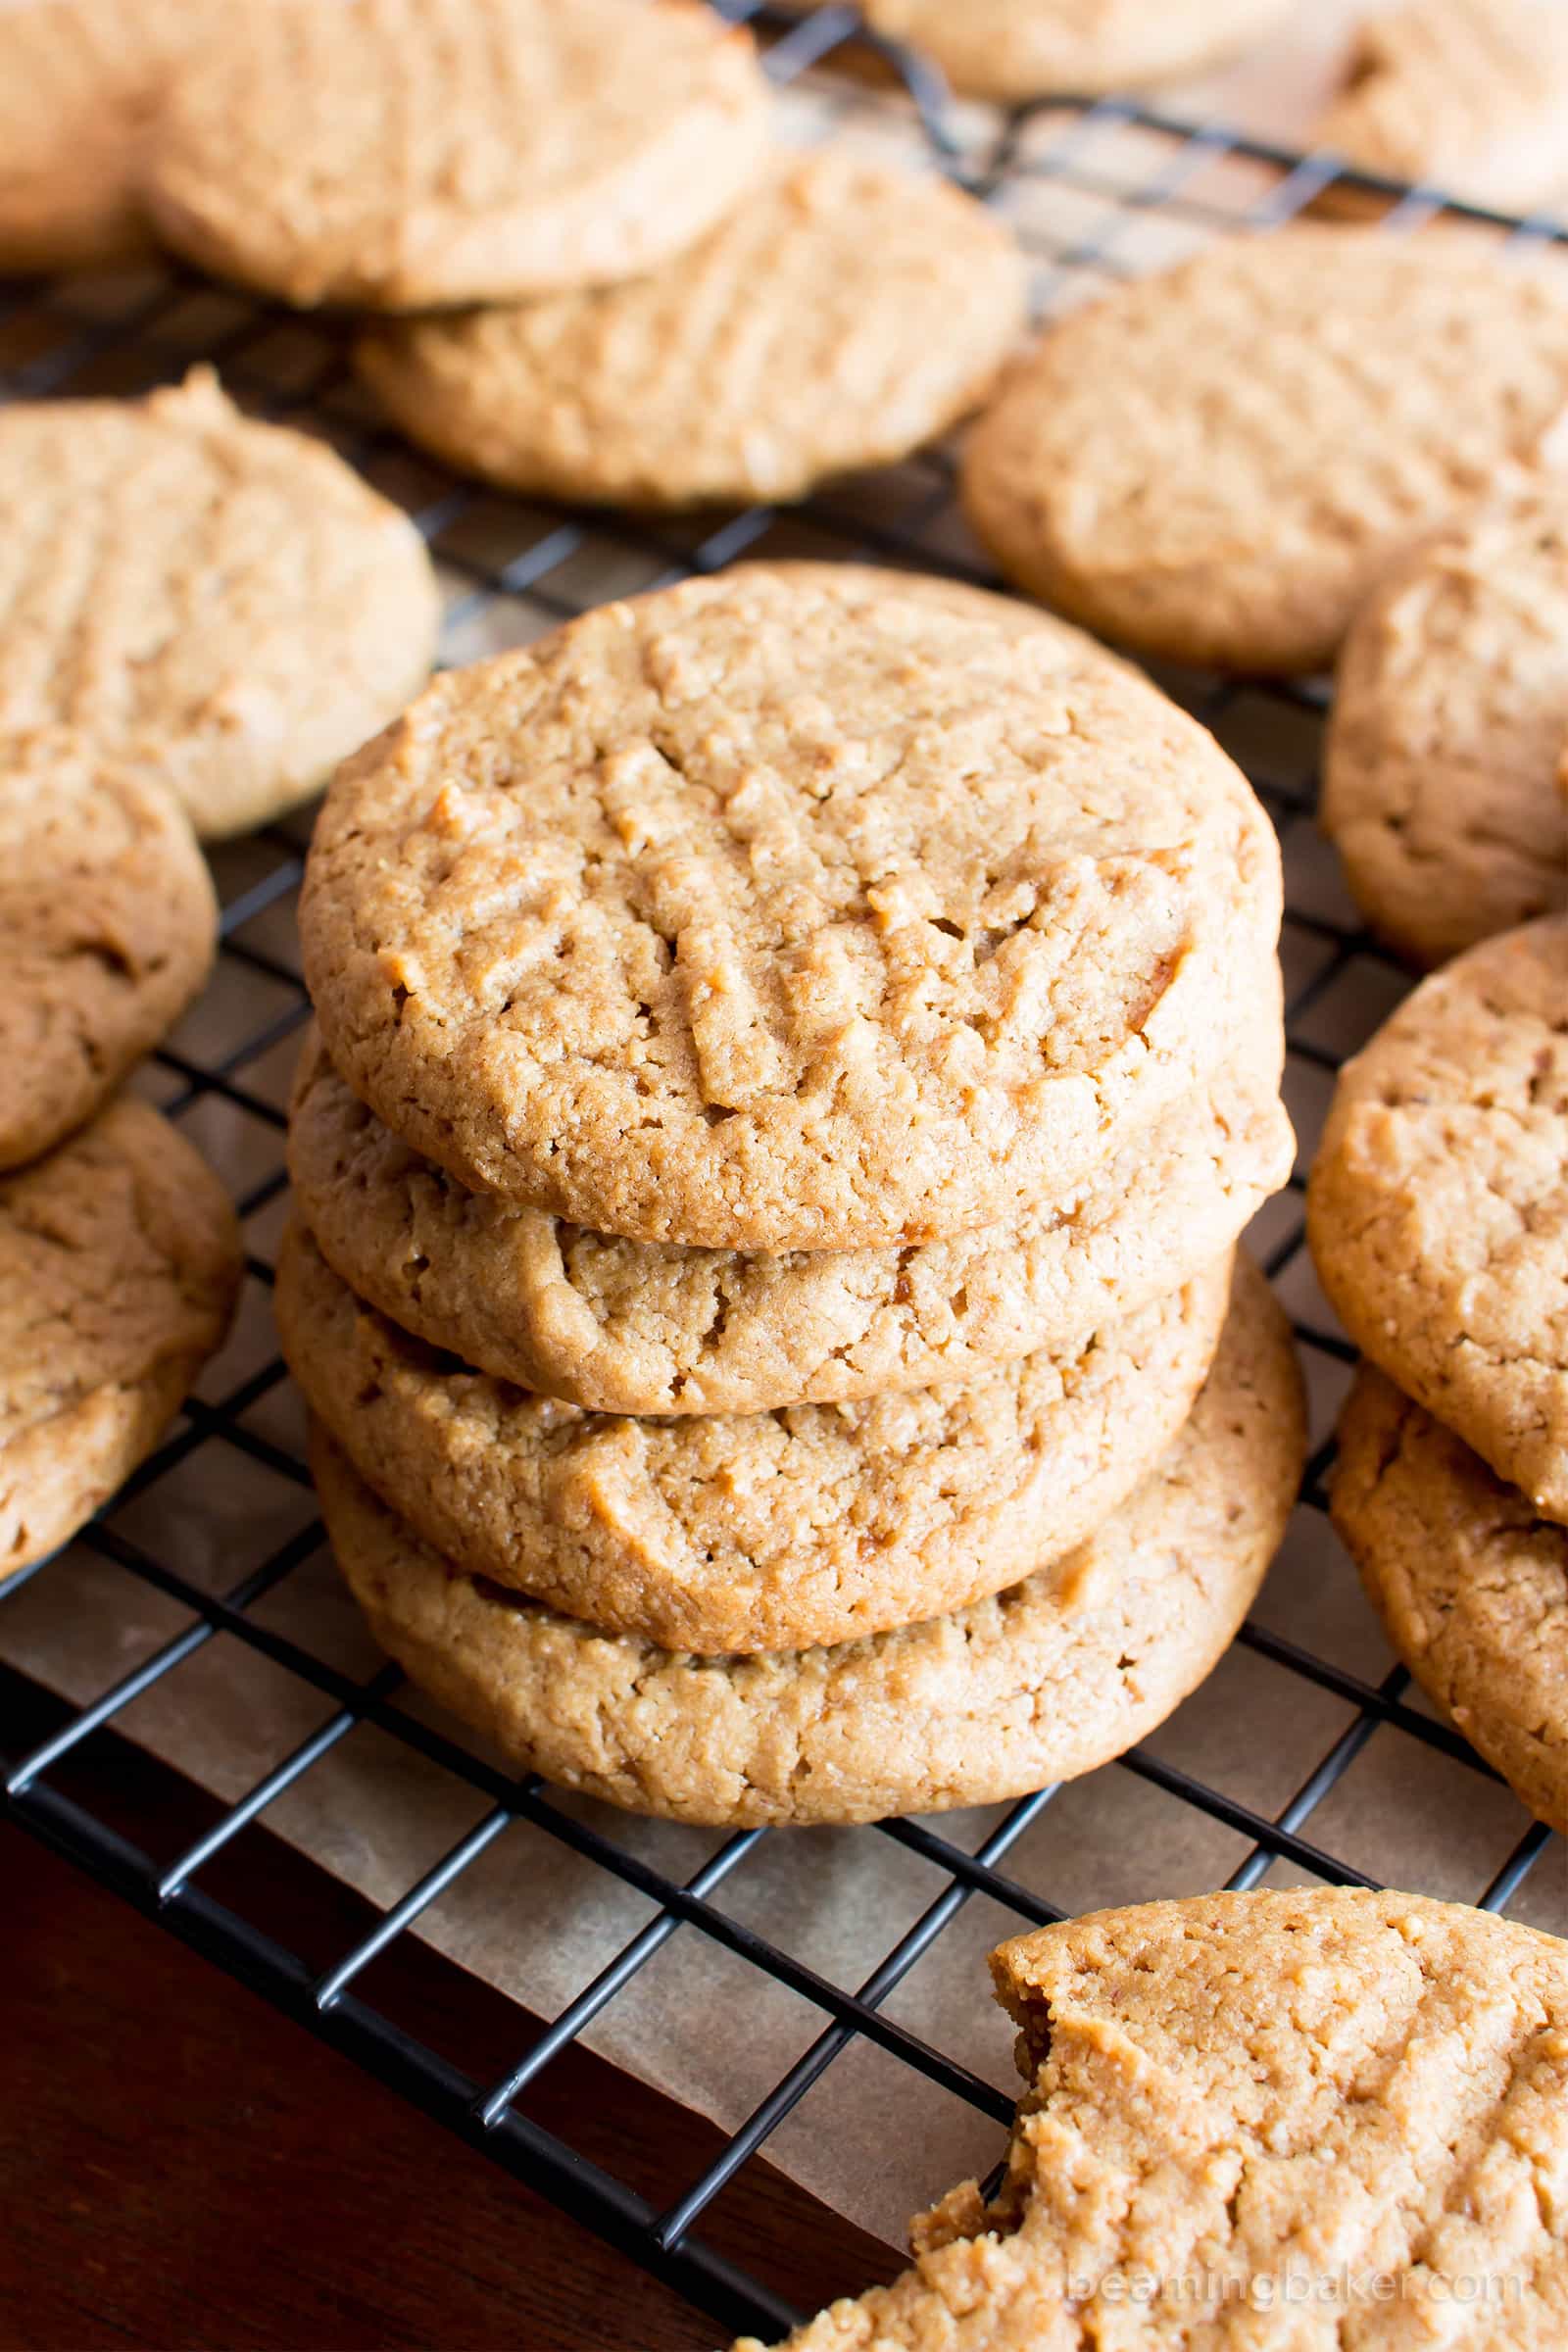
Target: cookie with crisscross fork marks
(225, 599)
(402, 153)
(785, 910)
(1437, 1207)
(1291, 2122)
(842, 315)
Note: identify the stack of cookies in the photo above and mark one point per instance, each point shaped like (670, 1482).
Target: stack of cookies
(796, 1054)
(1435, 1214)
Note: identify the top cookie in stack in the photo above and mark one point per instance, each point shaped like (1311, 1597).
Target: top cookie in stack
(796, 1052)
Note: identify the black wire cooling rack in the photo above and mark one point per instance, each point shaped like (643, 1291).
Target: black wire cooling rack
(1095, 192)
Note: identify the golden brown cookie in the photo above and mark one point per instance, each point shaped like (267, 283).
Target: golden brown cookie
(784, 909)
(1050, 1679)
(109, 922)
(1303, 2118)
(78, 79)
(1438, 1212)
(1470, 1582)
(1019, 49)
(223, 600)
(1214, 464)
(726, 1532)
(1450, 711)
(119, 1264)
(399, 154)
(841, 316)
(1467, 95)
(644, 1327)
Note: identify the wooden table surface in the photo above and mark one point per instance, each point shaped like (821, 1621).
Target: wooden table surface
(184, 2167)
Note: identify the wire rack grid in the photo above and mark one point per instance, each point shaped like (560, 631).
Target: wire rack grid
(1095, 192)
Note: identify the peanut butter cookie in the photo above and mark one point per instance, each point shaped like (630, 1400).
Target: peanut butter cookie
(1214, 465)
(843, 315)
(730, 1532)
(225, 599)
(1470, 1582)
(119, 1264)
(109, 922)
(1440, 782)
(402, 153)
(784, 910)
(1303, 2117)
(646, 1327)
(1436, 1206)
(1042, 1683)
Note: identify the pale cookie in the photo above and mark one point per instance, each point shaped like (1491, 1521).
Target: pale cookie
(1467, 95)
(119, 1264)
(1437, 1207)
(1020, 49)
(79, 80)
(843, 315)
(784, 910)
(398, 153)
(1283, 2121)
(646, 1327)
(1451, 709)
(223, 601)
(1057, 1675)
(1470, 1582)
(731, 1533)
(1214, 464)
(109, 922)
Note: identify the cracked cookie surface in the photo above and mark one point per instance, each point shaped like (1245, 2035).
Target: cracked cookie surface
(1470, 1582)
(227, 601)
(841, 316)
(119, 1264)
(1307, 2117)
(399, 154)
(109, 921)
(1214, 464)
(644, 1327)
(1440, 786)
(1437, 1207)
(1041, 1683)
(743, 1532)
(784, 909)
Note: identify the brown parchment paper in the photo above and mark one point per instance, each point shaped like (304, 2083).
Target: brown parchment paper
(873, 2138)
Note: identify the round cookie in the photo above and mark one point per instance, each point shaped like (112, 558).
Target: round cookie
(1436, 1210)
(1214, 464)
(1013, 50)
(1440, 776)
(1050, 1679)
(743, 1531)
(226, 601)
(784, 910)
(1467, 95)
(843, 315)
(78, 79)
(119, 1264)
(109, 922)
(399, 154)
(644, 1327)
(1470, 1582)
(1300, 2118)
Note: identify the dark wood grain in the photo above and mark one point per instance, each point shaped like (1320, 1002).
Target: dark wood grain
(181, 2166)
